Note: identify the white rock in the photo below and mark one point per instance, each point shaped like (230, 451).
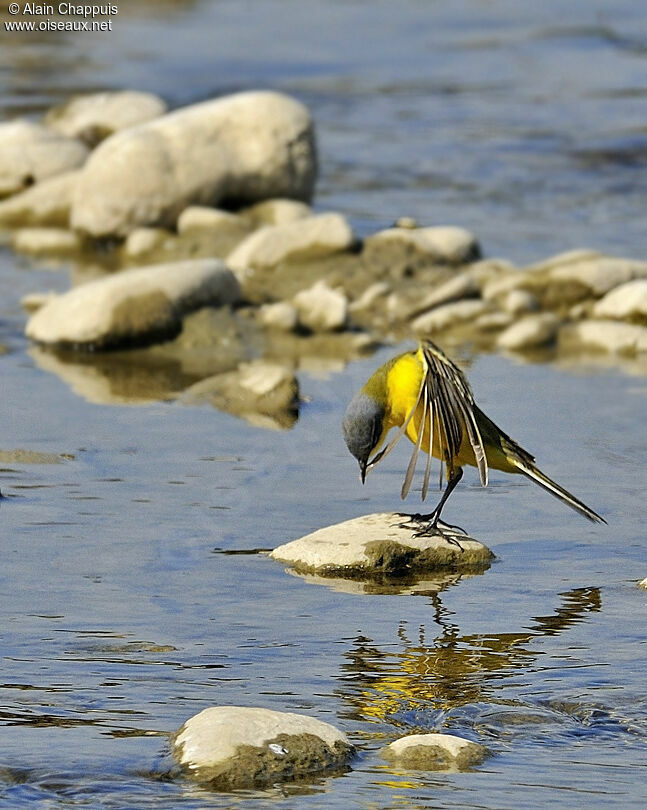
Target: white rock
(30, 153)
(378, 543)
(370, 295)
(132, 305)
(143, 240)
(248, 146)
(311, 237)
(236, 746)
(47, 203)
(518, 302)
(202, 217)
(576, 256)
(500, 287)
(93, 117)
(445, 752)
(492, 321)
(643, 583)
(461, 286)
(610, 336)
(321, 309)
(277, 212)
(628, 301)
(449, 315)
(45, 241)
(530, 332)
(34, 301)
(280, 315)
(599, 275)
(442, 243)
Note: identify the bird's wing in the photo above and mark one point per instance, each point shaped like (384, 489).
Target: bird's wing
(448, 403)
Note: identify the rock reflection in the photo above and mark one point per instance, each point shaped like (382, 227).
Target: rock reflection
(452, 669)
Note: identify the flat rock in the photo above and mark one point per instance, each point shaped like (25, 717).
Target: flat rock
(519, 302)
(530, 332)
(30, 153)
(461, 286)
(46, 241)
(307, 238)
(449, 315)
(144, 240)
(625, 302)
(609, 336)
(234, 747)
(248, 147)
(378, 544)
(434, 752)
(277, 212)
(132, 306)
(321, 309)
(442, 244)
(202, 217)
(47, 203)
(95, 116)
(280, 315)
(598, 275)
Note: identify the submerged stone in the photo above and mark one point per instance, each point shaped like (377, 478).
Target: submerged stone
(380, 544)
(234, 747)
(434, 752)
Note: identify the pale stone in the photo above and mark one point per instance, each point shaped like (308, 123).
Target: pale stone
(47, 203)
(277, 212)
(94, 117)
(321, 309)
(599, 275)
(643, 583)
(626, 302)
(30, 153)
(201, 217)
(493, 321)
(461, 286)
(445, 244)
(519, 302)
(530, 332)
(610, 336)
(132, 305)
(248, 146)
(144, 240)
(370, 296)
(575, 256)
(448, 315)
(34, 301)
(500, 287)
(436, 752)
(235, 747)
(309, 238)
(46, 241)
(406, 222)
(379, 544)
(280, 315)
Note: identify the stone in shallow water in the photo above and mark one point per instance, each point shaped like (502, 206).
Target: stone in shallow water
(233, 747)
(530, 332)
(46, 203)
(643, 583)
(434, 752)
(626, 302)
(379, 544)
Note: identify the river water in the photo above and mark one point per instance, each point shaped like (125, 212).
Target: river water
(122, 614)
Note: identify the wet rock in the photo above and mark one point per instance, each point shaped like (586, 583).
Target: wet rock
(519, 302)
(46, 241)
(233, 747)
(627, 302)
(265, 394)
(280, 315)
(449, 315)
(94, 117)
(248, 146)
(405, 247)
(47, 203)
(30, 153)
(385, 584)
(321, 309)
(530, 332)
(277, 212)
(132, 306)
(609, 336)
(434, 752)
(307, 238)
(143, 241)
(201, 217)
(378, 544)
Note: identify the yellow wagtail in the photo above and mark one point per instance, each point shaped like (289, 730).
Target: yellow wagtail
(428, 398)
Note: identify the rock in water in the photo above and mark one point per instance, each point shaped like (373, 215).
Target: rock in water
(379, 544)
(245, 147)
(234, 747)
(434, 752)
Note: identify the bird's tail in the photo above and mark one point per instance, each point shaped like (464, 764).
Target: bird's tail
(530, 471)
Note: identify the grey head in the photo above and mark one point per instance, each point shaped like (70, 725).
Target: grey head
(362, 426)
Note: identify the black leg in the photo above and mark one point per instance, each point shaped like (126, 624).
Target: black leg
(432, 520)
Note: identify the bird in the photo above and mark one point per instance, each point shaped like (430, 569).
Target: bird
(427, 397)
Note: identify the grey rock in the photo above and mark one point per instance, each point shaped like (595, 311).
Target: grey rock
(379, 544)
(133, 305)
(248, 146)
(234, 747)
(434, 752)
(95, 116)
(30, 153)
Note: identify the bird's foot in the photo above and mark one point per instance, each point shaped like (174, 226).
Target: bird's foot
(430, 525)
